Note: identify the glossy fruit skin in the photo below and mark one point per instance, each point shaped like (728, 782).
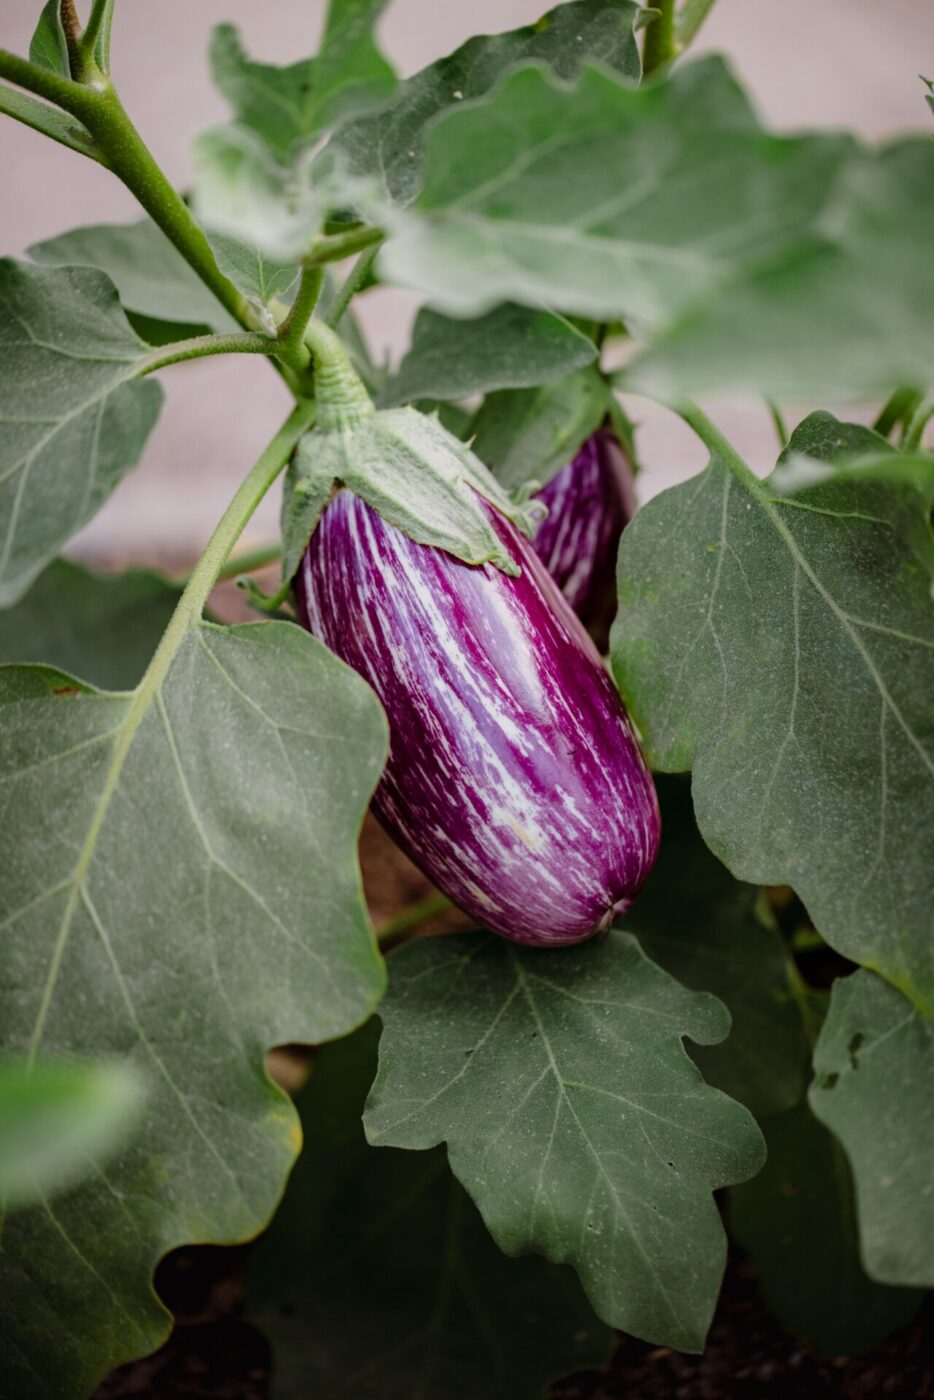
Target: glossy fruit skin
(590, 502)
(514, 780)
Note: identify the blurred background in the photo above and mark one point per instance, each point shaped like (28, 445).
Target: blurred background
(824, 63)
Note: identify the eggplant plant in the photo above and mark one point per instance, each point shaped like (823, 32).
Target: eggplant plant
(664, 987)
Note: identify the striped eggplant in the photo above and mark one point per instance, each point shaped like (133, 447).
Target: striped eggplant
(514, 780)
(589, 501)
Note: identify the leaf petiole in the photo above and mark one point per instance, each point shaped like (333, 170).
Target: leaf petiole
(199, 346)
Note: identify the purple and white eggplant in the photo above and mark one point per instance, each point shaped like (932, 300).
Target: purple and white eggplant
(590, 501)
(514, 780)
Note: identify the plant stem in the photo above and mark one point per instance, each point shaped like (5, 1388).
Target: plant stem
(341, 395)
(917, 424)
(898, 406)
(712, 438)
(64, 92)
(199, 346)
(692, 16)
(351, 285)
(291, 335)
(778, 421)
(332, 247)
(415, 914)
(659, 47)
(251, 559)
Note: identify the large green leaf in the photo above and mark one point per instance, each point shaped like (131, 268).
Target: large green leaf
(379, 1280)
(512, 347)
(600, 199)
(530, 434)
(388, 146)
(180, 889)
(847, 314)
(700, 924)
(72, 421)
(247, 188)
(289, 106)
(874, 1068)
(151, 277)
(101, 627)
(59, 1123)
(782, 647)
(572, 1114)
(796, 1219)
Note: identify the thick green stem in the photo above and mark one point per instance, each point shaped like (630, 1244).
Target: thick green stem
(916, 426)
(660, 47)
(292, 330)
(65, 93)
(129, 158)
(351, 285)
(231, 525)
(341, 395)
(692, 16)
(200, 346)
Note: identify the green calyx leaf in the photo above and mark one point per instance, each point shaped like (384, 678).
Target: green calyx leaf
(413, 472)
(572, 1114)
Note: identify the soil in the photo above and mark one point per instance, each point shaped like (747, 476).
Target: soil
(214, 1353)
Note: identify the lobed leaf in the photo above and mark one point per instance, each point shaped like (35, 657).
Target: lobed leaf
(847, 313)
(290, 106)
(72, 421)
(101, 627)
(180, 891)
(379, 1279)
(797, 1221)
(782, 648)
(701, 926)
(600, 199)
(572, 1114)
(874, 1068)
(511, 347)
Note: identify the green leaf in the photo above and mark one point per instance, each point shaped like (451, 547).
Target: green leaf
(388, 147)
(59, 1123)
(929, 98)
(378, 1278)
(261, 280)
(874, 1068)
(512, 347)
(151, 276)
(700, 924)
(241, 190)
(844, 315)
(72, 421)
(101, 627)
(796, 1220)
(290, 106)
(600, 199)
(49, 47)
(823, 449)
(58, 125)
(572, 1114)
(180, 890)
(782, 647)
(530, 434)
